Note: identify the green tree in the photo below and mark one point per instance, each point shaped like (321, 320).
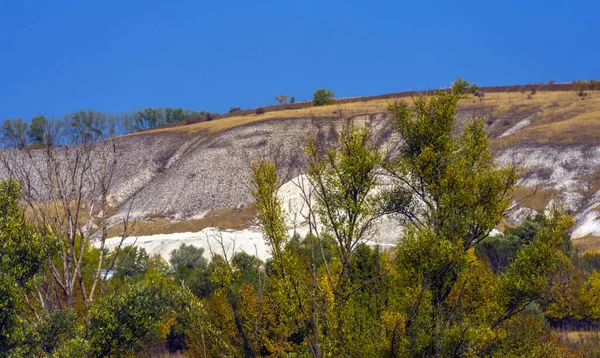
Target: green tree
(457, 196)
(188, 256)
(249, 267)
(460, 86)
(131, 261)
(14, 133)
(323, 97)
(124, 322)
(37, 130)
(22, 255)
(85, 126)
(149, 118)
(316, 278)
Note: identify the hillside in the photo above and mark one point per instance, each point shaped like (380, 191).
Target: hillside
(189, 177)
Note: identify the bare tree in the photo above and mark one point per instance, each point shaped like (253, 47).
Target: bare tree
(66, 191)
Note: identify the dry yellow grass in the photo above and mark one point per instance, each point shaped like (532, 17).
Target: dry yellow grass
(334, 110)
(221, 218)
(563, 117)
(536, 199)
(588, 243)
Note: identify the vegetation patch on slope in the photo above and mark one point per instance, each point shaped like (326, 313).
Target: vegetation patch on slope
(236, 219)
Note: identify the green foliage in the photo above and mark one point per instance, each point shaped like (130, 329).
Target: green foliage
(37, 130)
(189, 256)
(122, 323)
(460, 86)
(84, 126)
(22, 254)
(191, 268)
(248, 268)
(14, 133)
(500, 250)
(56, 328)
(131, 261)
(234, 109)
(462, 196)
(323, 97)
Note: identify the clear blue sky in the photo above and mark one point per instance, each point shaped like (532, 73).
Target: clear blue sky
(58, 56)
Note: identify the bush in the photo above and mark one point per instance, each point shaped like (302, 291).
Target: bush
(460, 86)
(260, 110)
(323, 97)
(234, 109)
(292, 100)
(581, 87)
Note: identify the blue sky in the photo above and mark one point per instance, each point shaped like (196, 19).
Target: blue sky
(59, 56)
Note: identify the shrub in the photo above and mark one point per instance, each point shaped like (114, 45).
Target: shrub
(260, 110)
(460, 86)
(234, 109)
(292, 100)
(323, 97)
(581, 86)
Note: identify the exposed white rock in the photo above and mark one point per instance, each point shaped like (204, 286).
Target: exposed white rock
(249, 240)
(563, 167)
(517, 127)
(517, 216)
(588, 219)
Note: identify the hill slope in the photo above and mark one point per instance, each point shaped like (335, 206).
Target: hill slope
(190, 177)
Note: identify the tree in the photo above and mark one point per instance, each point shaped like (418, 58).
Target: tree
(323, 97)
(439, 299)
(37, 130)
(591, 296)
(332, 320)
(282, 99)
(292, 100)
(131, 262)
(14, 133)
(69, 202)
(188, 256)
(22, 256)
(460, 86)
(456, 196)
(84, 126)
(248, 267)
(122, 323)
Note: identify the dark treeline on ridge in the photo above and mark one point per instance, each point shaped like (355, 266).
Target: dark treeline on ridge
(90, 125)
